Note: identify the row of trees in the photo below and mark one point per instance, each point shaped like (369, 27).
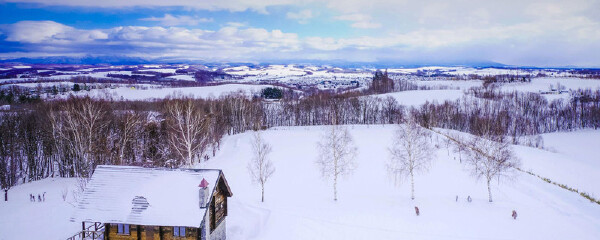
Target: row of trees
(411, 153)
(70, 137)
(515, 116)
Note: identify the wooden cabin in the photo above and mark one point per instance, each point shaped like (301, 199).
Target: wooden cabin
(135, 203)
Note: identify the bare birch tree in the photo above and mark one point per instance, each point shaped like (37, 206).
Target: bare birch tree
(491, 160)
(460, 146)
(260, 167)
(129, 123)
(80, 123)
(188, 128)
(336, 154)
(410, 153)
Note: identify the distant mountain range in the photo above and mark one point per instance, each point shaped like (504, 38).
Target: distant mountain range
(124, 60)
(88, 60)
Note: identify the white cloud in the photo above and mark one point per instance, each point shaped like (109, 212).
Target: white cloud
(170, 20)
(302, 16)
(49, 32)
(365, 25)
(236, 24)
(49, 38)
(359, 20)
(391, 15)
(568, 37)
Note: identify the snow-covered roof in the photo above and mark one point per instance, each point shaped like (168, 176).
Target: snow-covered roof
(145, 196)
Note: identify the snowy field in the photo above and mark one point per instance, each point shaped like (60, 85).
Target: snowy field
(299, 202)
(417, 98)
(132, 93)
(571, 158)
(451, 84)
(536, 85)
(465, 71)
(543, 84)
(23, 219)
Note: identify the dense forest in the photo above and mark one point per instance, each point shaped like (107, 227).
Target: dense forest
(68, 138)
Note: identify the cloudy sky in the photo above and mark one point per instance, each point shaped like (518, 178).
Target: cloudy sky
(515, 32)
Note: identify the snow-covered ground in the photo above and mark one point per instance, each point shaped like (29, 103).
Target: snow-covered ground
(299, 205)
(451, 84)
(299, 202)
(23, 219)
(150, 93)
(466, 71)
(536, 85)
(323, 77)
(294, 74)
(544, 84)
(570, 158)
(419, 97)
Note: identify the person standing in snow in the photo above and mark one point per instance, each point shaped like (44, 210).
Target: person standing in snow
(39, 198)
(417, 210)
(469, 199)
(456, 198)
(44, 197)
(6, 195)
(514, 214)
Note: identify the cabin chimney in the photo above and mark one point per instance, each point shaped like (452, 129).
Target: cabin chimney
(203, 193)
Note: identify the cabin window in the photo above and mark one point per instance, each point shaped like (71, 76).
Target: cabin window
(123, 229)
(179, 231)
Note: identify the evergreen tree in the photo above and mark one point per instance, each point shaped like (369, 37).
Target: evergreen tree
(382, 83)
(272, 93)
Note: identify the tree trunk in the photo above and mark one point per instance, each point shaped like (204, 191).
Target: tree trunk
(189, 153)
(335, 187)
(489, 191)
(262, 193)
(412, 186)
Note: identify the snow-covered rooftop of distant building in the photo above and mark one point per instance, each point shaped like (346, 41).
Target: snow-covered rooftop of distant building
(170, 196)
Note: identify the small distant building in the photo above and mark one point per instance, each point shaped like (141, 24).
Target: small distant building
(124, 202)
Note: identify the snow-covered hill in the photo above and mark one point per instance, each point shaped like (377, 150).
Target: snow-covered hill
(299, 205)
(299, 202)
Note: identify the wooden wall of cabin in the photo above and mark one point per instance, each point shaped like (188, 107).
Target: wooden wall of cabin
(113, 235)
(218, 207)
(190, 234)
(149, 233)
